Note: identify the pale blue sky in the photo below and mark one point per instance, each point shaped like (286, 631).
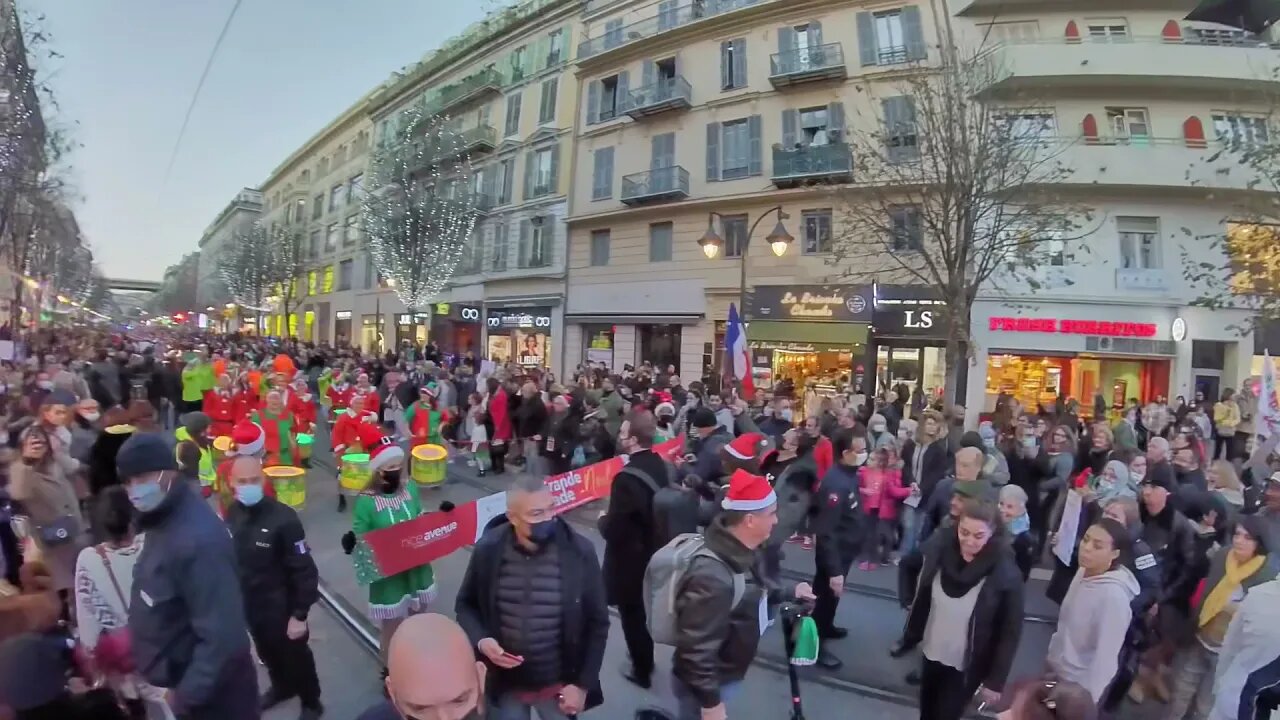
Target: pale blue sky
(286, 68)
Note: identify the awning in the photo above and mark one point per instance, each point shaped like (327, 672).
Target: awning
(823, 336)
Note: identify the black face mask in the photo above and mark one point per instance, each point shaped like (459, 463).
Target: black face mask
(389, 481)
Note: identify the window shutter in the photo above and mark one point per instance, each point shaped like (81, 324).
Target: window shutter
(815, 34)
(726, 63)
(740, 61)
(835, 121)
(624, 97)
(892, 107)
(550, 89)
(713, 151)
(755, 161)
(602, 174)
(526, 233)
(648, 77)
(529, 166)
(488, 181)
(913, 33)
(786, 43)
(553, 187)
(867, 50)
(790, 129)
(593, 102)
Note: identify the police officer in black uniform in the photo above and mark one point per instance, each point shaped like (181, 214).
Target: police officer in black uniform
(839, 528)
(280, 584)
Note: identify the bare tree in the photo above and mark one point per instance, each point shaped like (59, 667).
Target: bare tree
(291, 265)
(953, 191)
(419, 207)
(246, 264)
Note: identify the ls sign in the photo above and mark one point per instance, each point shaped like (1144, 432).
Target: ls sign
(918, 319)
(913, 320)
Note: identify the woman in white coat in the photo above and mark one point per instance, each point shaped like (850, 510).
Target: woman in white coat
(1252, 641)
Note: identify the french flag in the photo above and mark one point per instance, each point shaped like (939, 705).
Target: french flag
(738, 360)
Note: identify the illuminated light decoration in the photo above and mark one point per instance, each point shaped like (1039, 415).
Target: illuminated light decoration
(1072, 327)
(420, 206)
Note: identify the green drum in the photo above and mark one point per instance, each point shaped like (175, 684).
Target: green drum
(355, 474)
(305, 442)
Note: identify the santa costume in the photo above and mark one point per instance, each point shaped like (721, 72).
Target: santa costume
(389, 500)
(340, 392)
(303, 406)
(372, 403)
(347, 431)
(220, 406)
(425, 421)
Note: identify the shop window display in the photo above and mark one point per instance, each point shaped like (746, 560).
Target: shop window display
(827, 372)
(921, 369)
(1038, 381)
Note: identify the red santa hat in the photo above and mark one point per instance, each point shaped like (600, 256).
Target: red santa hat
(748, 493)
(383, 449)
(747, 446)
(665, 408)
(248, 438)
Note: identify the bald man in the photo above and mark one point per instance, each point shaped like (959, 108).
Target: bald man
(280, 583)
(432, 673)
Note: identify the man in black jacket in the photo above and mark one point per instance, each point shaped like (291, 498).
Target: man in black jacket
(532, 602)
(630, 536)
(839, 528)
(186, 615)
(280, 584)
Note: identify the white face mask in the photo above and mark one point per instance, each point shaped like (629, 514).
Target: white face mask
(44, 384)
(878, 428)
(785, 415)
(860, 458)
(91, 416)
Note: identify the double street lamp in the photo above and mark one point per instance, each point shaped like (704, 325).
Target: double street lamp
(779, 240)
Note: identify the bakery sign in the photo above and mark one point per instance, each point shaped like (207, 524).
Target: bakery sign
(810, 303)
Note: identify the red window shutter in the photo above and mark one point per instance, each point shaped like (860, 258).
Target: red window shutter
(1193, 132)
(1172, 32)
(1073, 31)
(1090, 128)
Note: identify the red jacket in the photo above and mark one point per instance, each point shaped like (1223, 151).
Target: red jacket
(221, 409)
(881, 490)
(346, 431)
(500, 417)
(245, 403)
(341, 399)
(304, 412)
(824, 456)
(372, 403)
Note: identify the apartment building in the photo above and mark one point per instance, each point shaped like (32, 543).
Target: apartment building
(717, 111)
(237, 217)
(316, 192)
(508, 87)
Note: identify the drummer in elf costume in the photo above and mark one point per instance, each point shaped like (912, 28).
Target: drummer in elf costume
(247, 397)
(302, 405)
(348, 434)
(388, 500)
(340, 392)
(372, 403)
(220, 406)
(425, 421)
(247, 439)
(279, 426)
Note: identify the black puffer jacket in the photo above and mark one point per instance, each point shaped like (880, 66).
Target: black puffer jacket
(996, 624)
(584, 620)
(1172, 538)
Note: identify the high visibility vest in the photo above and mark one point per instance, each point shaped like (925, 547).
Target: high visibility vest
(205, 471)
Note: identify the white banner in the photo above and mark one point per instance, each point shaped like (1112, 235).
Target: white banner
(1268, 406)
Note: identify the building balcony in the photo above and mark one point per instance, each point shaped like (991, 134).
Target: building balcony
(670, 183)
(1150, 162)
(1136, 62)
(1141, 279)
(812, 164)
(661, 22)
(469, 89)
(667, 94)
(825, 62)
(481, 138)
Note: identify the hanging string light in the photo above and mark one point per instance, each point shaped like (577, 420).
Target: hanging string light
(419, 206)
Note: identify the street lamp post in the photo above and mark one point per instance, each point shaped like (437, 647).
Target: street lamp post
(778, 238)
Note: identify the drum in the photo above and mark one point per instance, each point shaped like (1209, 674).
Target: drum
(221, 446)
(304, 446)
(428, 467)
(290, 483)
(355, 474)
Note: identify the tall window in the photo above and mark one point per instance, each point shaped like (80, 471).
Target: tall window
(498, 261)
(345, 270)
(611, 91)
(535, 243)
(903, 143)
(660, 236)
(1241, 129)
(354, 187)
(733, 64)
(891, 43)
(351, 233)
(602, 173)
(733, 229)
(335, 197)
(613, 33)
(1139, 243)
(331, 237)
(317, 207)
(369, 270)
(512, 127)
(599, 247)
(817, 231)
(505, 178)
(735, 148)
(542, 172)
(313, 244)
(660, 345)
(555, 47)
(519, 57)
(547, 104)
(906, 229)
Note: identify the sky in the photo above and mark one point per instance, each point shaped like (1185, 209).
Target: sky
(285, 70)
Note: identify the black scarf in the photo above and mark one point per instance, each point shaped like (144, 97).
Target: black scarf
(959, 577)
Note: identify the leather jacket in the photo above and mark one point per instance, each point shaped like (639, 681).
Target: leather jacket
(1172, 537)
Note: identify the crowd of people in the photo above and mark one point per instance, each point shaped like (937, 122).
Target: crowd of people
(171, 559)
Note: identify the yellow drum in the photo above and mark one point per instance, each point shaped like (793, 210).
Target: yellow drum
(355, 474)
(221, 446)
(290, 483)
(428, 467)
(304, 445)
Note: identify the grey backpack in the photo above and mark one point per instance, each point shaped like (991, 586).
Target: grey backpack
(664, 580)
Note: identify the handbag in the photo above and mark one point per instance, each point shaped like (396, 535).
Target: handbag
(114, 653)
(59, 531)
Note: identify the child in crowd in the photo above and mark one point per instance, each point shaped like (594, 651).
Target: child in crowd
(880, 485)
(476, 431)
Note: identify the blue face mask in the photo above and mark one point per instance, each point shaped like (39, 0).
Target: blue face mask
(249, 495)
(542, 532)
(146, 496)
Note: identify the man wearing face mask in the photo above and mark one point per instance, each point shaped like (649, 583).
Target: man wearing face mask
(186, 615)
(839, 529)
(280, 584)
(532, 603)
(777, 420)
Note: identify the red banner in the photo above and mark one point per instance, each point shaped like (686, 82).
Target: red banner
(429, 537)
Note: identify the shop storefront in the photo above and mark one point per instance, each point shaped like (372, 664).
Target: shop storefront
(412, 328)
(1041, 354)
(372, 339)
(342, 328)
(456, 328)
(908, 342)
(598, 341)
(520, 335)
(809, 335)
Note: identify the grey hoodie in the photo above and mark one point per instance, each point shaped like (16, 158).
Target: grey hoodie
(1092, 624)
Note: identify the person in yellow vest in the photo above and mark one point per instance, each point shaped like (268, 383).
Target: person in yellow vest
(195, 449)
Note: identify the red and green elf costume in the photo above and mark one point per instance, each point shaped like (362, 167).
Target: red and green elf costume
(280, 440)
(426, 422)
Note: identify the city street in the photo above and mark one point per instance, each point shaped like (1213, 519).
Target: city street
(870, 681)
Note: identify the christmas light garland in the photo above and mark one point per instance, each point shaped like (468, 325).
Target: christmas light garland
(419, 206)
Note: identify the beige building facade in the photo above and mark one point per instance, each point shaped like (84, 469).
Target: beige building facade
(238, 216)
(719, 111)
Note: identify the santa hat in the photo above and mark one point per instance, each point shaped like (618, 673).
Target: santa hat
(665, 408)
(383, 449)
(748, 493)
(248, 438)
(747, 446)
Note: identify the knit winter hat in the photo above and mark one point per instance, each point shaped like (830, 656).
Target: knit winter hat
(195, 422)
(383, 451)
(248, 438)
(748, 493)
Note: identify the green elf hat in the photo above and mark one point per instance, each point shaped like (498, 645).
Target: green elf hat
(804, 642)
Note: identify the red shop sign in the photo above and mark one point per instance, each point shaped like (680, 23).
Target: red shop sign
(1073, 327)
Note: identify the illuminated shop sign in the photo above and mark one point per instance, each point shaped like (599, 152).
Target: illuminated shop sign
(1072, 327)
